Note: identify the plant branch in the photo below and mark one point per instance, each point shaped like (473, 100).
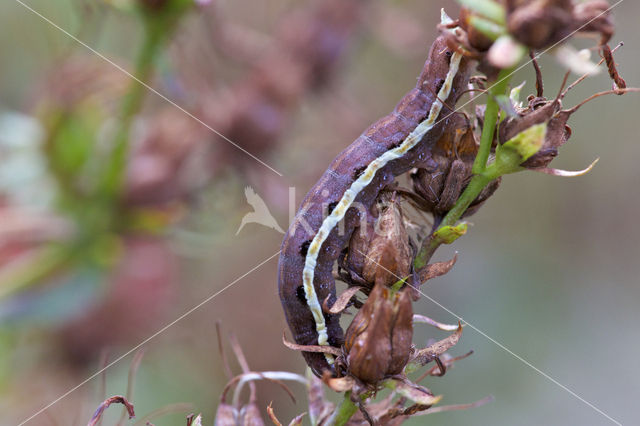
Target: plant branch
(480, 179)
(344, 411)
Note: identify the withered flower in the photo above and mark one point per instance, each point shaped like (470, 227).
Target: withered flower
(539, 111)
(454, 153)
(539, 24)
(378, 341)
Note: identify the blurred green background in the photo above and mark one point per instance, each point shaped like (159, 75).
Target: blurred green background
(549, 268)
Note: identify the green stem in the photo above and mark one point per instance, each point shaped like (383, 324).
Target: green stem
(154, 35)
(480, 179)
(344, 411)
(490, 119)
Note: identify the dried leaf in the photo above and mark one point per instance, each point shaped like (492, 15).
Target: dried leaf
(436, 269)
(311, 348)
(272, 415)
(421, 319)
(341, 384)
(341, 302)
(447, 362)
(116, 399)
(297, 420)
(428, 354)
(457, 407)
(566, 173)
(417, 394)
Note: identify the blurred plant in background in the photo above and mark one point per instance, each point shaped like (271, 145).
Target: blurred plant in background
(100, 178)
(111, 179)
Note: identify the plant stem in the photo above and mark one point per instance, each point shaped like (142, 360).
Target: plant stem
(344, 411)
(480, 179)
(490, 119)
(154, 36)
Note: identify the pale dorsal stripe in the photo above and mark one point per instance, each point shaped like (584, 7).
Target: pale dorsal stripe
(350, 195)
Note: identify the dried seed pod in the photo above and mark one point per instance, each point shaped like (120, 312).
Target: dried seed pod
(390, 255)
(380, 252)
(538, 23)
(378, 341)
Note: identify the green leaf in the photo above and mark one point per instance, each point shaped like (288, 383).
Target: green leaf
(488, 8)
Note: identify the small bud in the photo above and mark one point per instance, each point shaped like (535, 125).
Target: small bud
(506, 52)
(378, 341)
(476, 32)
(448, 234)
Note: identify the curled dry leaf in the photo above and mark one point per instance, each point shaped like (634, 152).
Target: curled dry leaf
(272, 415)
(116, 399)
(429, 353)
(437, 269)
(341, 384)
(417, 394)
(311, 348)
(342, 302)
(421, 319)
(447, 362)
(457, 407)
(566, 173)
(297, 420)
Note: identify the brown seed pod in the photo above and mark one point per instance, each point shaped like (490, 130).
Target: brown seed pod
(378, 341)
(381, 251)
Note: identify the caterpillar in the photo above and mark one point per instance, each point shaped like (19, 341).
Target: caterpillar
(328, 216)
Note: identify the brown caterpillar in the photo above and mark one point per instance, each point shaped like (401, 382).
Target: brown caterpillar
(387, 149)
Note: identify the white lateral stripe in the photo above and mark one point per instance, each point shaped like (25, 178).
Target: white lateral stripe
(350, 194)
